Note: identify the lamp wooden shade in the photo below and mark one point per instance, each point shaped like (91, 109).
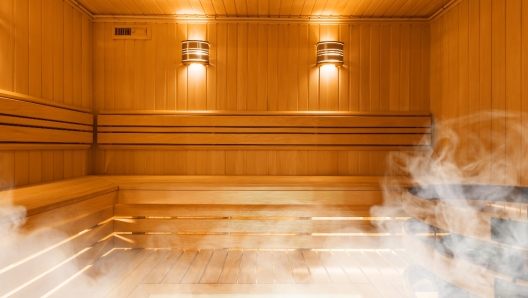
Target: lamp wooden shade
(330, 52)
(195, 51)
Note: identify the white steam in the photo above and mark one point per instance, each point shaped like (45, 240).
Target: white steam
(484, 149)
(35, 256)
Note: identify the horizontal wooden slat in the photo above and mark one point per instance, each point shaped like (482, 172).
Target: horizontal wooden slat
(332, 130)
(43, 123)
(23, 134)
(21, 246)
(264, 121)
(258, 290)
(26, 271)
(256, 241)
(227, 182)
(38, 100)
(40, 111)
(44, 197)
(54, 278)
(427, 255)
(265, 147)
(255, 197)
(263, 139)
(163, 210)
(257, 226)
(263, 113)
(61, 216)
(43, 146)
(390, 9)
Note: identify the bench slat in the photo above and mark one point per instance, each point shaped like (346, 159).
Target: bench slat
(264, 139)
(264, 121)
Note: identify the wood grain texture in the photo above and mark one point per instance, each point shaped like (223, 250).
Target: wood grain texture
(477, 94)
(257, 226)
(46, 61)
(256, 241)
(277, 140)
(303, 88)
(165, 210)
(45, 197)
(258, 197)
(293, 8)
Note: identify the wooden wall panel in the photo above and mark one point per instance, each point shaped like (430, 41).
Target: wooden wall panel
(478, 66)
(45, 52)
(262, 67)
(23, 167)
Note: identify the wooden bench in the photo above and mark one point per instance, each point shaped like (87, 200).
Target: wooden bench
(256, 212)
(29, 122)
(64, 225)
(245, 130)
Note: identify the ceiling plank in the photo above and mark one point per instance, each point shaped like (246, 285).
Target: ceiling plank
(268, 8)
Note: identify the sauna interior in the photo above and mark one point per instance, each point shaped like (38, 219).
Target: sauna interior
(255, 170)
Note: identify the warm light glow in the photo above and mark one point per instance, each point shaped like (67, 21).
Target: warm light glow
(196, 69)
(328, 70)
(186, 12)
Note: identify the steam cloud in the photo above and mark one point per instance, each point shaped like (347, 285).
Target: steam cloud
(485, 148)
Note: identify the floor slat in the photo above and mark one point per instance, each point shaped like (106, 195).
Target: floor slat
(158, 273)
(248, 267)
(231, 266)
(196, 270)
(317, 270)
(175, 275)
(301, 274)
(265, 267)
(334, 270)
(134, 279)
(281, 267)
(214, 268)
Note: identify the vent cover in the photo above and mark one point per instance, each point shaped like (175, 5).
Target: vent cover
(122, 31)
(132, 32)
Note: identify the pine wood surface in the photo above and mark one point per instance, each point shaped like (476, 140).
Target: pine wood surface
(52, 44)
(45, 197)
(478, 51)
(255, 226)
(182, 182)
(247, 271)
(169, 210)
(21, 274)
(46, 65)
(154, 80)
(250, 241)
(39, 135)
(43, 123)
(54, 278)
(258, 197)
(249, 139)
(295, 8)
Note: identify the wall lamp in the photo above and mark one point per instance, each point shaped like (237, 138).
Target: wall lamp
(330, 52)
(195, 51)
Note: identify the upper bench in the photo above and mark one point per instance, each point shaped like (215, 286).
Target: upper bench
(247, 130)
(28, 122)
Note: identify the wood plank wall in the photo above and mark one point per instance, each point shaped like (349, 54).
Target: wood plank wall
(479, 70)
(269, 67)
(46, 51)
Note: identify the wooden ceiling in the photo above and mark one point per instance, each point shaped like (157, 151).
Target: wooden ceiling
(268, 8)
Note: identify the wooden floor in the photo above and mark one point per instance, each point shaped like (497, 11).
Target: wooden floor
(240, 273)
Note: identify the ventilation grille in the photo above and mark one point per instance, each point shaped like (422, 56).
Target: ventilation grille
(122, 31)
(132, 32)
